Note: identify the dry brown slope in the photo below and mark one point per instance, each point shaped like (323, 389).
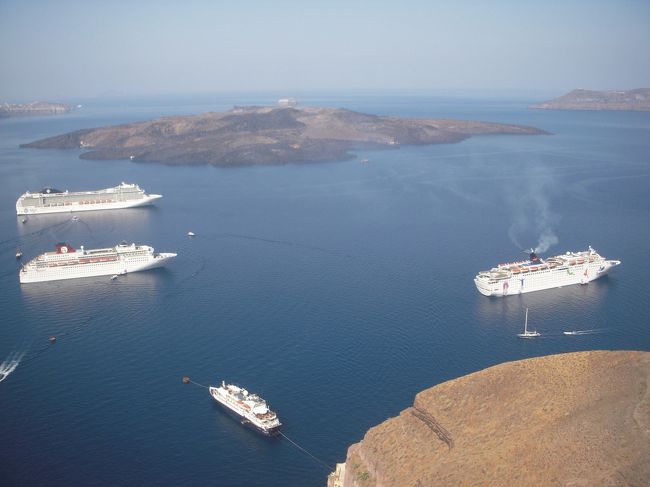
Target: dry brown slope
(578, 419)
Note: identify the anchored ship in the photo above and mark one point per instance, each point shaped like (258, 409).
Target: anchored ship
(50, 200)
(536, 274)
(67, 263)
(250, 409)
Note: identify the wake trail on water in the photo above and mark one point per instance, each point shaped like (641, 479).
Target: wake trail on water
(287, 243)
(35, 233)
(30, 354)
(89, 228)
(10, 364)
(593, 331)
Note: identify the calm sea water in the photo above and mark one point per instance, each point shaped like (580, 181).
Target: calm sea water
(337, 291)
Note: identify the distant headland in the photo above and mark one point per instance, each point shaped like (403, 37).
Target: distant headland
(33, 109)
(637, 100)
(574, 419)
(266, 135)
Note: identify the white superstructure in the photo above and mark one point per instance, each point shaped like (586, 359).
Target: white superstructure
(251, 409)
(50, 200)
(67, 263)
(536, 274)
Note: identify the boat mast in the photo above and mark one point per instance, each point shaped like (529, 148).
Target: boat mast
(526, 323)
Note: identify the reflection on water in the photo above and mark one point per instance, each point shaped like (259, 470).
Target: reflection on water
(108, 220)
(92, 229)
(551, 310)
(67, 294)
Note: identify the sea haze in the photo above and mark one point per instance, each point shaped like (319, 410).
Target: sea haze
(337, 290)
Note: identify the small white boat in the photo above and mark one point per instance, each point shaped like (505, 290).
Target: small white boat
(19, 254)
(75, 218)
(526, 333)
(570, 332)
(9, 365)
(24, 220)
(191, 234)
(113, 277)
(365, 161)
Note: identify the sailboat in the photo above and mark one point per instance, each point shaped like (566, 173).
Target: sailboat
(526, 333)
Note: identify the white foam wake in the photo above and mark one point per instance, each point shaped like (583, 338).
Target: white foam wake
(10, 364)
(585, 332)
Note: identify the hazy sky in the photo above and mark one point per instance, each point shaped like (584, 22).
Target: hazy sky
(64, 48)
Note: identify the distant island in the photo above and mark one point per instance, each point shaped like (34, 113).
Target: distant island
(574, 419)
(266, 135)
(33, 109)
(637, 100)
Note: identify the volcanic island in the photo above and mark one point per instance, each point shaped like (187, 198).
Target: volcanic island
(267, 135)
(631, 100)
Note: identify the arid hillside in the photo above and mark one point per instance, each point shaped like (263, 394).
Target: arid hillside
(576, 419)
(636, 100)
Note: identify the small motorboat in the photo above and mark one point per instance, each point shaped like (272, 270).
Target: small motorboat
(19, 254)
(191, 234)
(113, 277)
(24, 220)
(75, 218)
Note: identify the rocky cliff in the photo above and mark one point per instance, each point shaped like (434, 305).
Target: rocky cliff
(576, 419)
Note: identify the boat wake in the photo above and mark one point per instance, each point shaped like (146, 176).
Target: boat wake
(585, 332)
(10, 364)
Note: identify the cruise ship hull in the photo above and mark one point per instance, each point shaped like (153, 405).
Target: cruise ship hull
(248, 424)
(243, 418)
(50, 200)
(107, 268)
(74, 207)
(559, 277)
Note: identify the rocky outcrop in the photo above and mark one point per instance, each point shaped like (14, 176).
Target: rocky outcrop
(576, 419)
(35, 108)
(637, 100)
(266, 135)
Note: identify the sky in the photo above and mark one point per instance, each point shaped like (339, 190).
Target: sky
(62, 49)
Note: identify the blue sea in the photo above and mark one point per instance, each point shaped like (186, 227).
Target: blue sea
(335, 290)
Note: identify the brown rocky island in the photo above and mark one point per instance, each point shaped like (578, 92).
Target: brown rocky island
(266, 135)
(576, 419)
(635, 100)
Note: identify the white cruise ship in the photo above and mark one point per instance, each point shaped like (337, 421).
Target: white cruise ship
(50, 200)
(536, 274)
(67, 263)
(250, 409)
